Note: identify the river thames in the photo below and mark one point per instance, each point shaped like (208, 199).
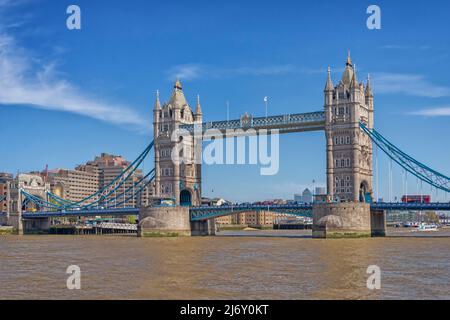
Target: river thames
(232, 265)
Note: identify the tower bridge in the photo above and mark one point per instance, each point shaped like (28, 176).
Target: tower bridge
(348, 150)
(348, 210)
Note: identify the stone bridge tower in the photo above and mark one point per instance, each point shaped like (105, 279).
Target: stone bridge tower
(180, 180)
(349, 150)
(349, 162)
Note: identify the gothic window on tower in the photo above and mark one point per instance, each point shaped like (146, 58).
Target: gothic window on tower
(348, 140)
(348, 162)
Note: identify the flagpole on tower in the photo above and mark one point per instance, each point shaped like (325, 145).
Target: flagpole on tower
(266, 99)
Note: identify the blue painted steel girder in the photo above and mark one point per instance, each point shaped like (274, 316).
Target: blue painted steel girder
(81, 213)
(311, 121)
(204, 213)
(410, 206)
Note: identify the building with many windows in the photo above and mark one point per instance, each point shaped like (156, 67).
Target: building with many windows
(87, 179)
(73, 185)
(108, 167)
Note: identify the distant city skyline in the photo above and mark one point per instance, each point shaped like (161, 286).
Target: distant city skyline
(69, 95)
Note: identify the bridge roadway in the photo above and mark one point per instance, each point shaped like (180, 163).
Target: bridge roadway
(81, 213)
(203, 213)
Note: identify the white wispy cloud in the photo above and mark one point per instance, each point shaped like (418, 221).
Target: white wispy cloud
(405, 47)
(433, 112)
(194, 71)
(26, 80)
(409, 84)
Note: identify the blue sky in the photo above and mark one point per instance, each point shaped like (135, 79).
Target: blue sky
(66, 96)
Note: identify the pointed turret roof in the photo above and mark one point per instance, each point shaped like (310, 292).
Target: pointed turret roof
(178, 84)
(177, 99)
(198, 109)
(329, 85)
(157, 102)
(348, 74)
(369, 87)
(354, 82)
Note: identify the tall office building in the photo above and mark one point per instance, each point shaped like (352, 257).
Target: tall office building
(73, 185)
(109, 167)
(307, 196)
(87, 179)
(320, 191)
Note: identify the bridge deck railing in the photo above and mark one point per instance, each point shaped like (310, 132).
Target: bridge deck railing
(260, 122)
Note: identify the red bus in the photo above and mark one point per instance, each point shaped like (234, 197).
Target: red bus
(416, 199)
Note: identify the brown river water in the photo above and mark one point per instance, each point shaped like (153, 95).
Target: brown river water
(232, 265)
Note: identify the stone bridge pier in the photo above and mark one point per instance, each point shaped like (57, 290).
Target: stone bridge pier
(171, 222)
(15, 221)
(347, 220)
(36, 225)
